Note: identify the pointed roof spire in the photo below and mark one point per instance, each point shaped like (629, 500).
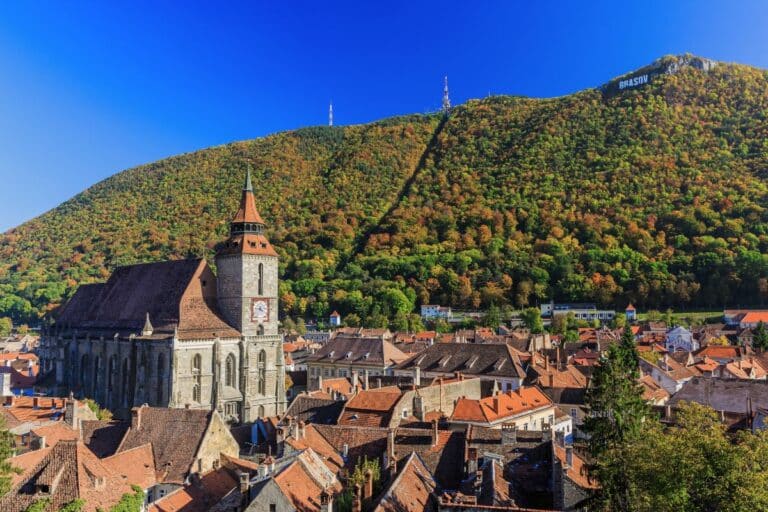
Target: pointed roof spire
(148, 329)
(248, 186)
(247, 212)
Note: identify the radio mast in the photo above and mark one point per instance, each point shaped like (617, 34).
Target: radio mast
(446, 98)
(330, 114)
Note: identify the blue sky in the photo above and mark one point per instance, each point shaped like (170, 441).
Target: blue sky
(90, 88)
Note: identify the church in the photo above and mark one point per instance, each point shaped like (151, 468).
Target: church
(173, 334)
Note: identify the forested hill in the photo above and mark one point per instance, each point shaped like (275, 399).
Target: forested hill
(651, 192)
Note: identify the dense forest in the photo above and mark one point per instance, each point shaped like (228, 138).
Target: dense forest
(654, 195)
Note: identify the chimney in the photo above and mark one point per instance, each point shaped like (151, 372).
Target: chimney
(41, 442)
(368, 488)
(546, 362)
(295, 431)
(301, 430)
(355, 379)
(569, 456)
(320, 379)
(435, 433)
(508, 434)
(378, 382)
(471, 460)
(36, 402)
(365, 379)
(245, 482)
(417, 376)
(136, 418)
(345, 451)
(357, 504)
(263, 470)
(71, 414)
(326, 501)
(390, 446)
(667, 412)
(496, 404)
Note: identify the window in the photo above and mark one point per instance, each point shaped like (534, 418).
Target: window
(160, 378)
(262, 366)
(261, 279)
(196, 393)
(124, 383)
(261, 411)
(574, 412)
(197, 364)
(405, 413)
(84, 369)
(111, 374)
(229, 371)
(272, 507)
(96, 374)
(260, 330)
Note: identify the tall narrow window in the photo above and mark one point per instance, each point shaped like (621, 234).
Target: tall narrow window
(160, 378)
(111, 374)
(124, 383)
(229, 371)
(84, 370)
(96, 374)
(262, 366)
(197, 366)
(261, 279)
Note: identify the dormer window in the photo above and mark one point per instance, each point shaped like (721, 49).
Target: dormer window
(367, 354)
(330, 354)
(349, 355)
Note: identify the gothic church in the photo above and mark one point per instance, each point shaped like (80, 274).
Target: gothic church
(173, 334)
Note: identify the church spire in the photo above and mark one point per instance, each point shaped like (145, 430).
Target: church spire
(248, 186)
(247, 218)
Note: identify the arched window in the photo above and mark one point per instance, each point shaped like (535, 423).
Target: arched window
(83, 370)
(260, 330)
(197, 364)
(229, 371)
(96, 374)
(160, 378)
(111, 374)
(124, 383)
(262, 366)
(261, 279)
(197, 367)
(261, 411)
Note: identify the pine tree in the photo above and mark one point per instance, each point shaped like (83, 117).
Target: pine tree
(760, 337)
(616, 414)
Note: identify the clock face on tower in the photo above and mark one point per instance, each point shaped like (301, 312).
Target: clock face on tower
(259, 310)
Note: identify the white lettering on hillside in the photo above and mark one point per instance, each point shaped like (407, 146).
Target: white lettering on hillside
(633, 82)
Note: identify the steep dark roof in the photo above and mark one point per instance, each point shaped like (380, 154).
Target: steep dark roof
(175, 435)
(571, 396)
(103, 437)
(176, 294)
(315, 410)
(489, 359)
(372, 351)
(444, 460)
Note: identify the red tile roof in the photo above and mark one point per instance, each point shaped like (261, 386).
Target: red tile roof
(501, 406)
(411, 490)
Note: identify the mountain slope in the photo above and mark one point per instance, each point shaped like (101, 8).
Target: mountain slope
(653, 193)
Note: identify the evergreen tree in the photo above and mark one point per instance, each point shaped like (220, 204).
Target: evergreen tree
(6, 451)
(760, 337)
(531, 317)
(616, 414)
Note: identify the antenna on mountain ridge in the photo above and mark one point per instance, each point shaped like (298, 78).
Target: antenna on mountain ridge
(446, 98)
(330, 114)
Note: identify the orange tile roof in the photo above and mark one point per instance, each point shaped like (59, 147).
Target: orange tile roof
(197, 496)
(23, 408)
(755, 317)
(59, 431)
(300, 487)
(12, 356)
(379, 399)
(718, 352)
(136, 466)
(26, 462)
(501, 406)
(411, 490)
(314, 440)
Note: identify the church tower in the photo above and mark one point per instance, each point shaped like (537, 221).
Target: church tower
(248, 272)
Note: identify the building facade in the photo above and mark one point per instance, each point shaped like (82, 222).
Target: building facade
(173, 334)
